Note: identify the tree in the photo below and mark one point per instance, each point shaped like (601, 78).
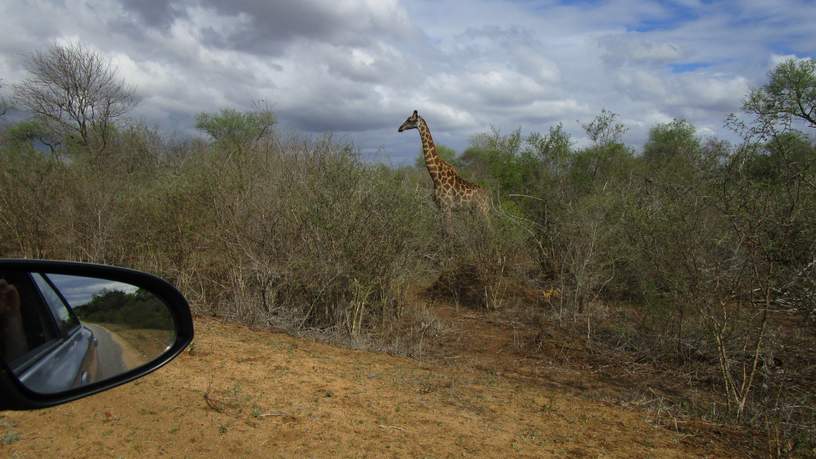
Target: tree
(790, 94)
(672, 142)
(606, 157)
(30, 133)
(235, 130)
(553, 149)
(75, 92)
(604, 129)
(497, 159)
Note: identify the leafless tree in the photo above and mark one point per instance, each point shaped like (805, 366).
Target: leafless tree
(76, 92)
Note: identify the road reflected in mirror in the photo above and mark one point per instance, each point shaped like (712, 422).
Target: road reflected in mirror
(60, 332)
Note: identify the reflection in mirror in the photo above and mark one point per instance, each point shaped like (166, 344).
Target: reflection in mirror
(59, 332)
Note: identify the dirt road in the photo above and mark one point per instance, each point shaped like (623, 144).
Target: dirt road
(245, 393)
(116, 356)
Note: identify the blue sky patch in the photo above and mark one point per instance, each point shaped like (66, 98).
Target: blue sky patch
(674, 15)
(686, 67)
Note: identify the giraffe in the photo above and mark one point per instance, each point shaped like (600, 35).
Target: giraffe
(451, 192)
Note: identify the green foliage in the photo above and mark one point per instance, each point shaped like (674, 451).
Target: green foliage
(595, 167)
(790, 94)
(608, 159)
(28, 134)
(139, 309)
(672, 141)
(499, 161)
(234, 129)
(769, 197)
(779, 161)
(553, 150)
(604, 129)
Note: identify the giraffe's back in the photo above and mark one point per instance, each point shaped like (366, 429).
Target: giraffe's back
(457, 193)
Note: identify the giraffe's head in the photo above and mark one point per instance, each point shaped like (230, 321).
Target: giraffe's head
(411, 123)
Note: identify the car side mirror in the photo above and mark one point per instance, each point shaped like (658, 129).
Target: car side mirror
(69, 330)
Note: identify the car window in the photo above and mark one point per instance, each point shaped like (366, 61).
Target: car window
(64, 317)
(25, 321)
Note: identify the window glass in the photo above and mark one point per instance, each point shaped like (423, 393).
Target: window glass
(65, 319)
(25, 323)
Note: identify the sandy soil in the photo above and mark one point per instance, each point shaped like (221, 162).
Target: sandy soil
(246, 393)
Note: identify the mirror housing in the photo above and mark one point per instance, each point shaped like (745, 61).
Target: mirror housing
(16, 396)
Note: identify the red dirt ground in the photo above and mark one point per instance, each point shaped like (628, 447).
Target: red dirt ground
(247, 393)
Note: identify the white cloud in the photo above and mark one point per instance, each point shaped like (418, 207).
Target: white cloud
(359, 67)
(622, 49)
(717, 93)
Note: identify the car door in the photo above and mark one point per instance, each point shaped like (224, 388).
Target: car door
(67, 359)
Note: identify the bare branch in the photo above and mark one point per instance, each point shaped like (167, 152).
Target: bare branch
(76, 92)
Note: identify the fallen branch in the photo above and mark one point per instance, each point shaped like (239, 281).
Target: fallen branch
(272, 414)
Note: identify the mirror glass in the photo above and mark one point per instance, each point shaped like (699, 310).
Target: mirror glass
(60, 332)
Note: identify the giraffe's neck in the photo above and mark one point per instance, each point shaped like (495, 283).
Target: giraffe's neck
(432, 159)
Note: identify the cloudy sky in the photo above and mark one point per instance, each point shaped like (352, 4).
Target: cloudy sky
(359, 67)
(78, 290)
